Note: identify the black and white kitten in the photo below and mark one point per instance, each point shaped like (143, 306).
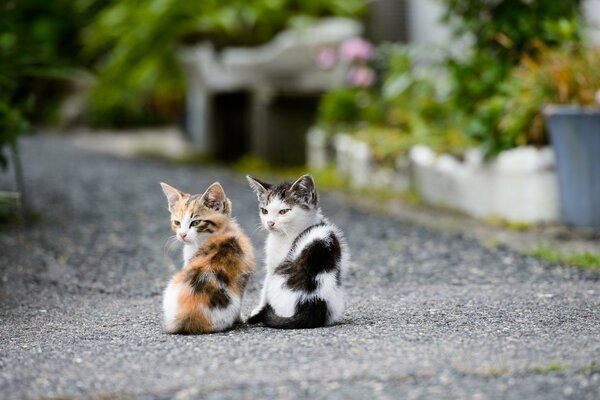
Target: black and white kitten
(305, 255)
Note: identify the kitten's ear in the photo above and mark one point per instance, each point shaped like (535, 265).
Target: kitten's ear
(173, 195)
(305, 189)
(215, 199)
(258, 186)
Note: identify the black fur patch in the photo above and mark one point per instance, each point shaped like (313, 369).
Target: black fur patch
(228, 252)
(202, 282)
(199, 281)
(205, 226)
(308, 315)
(258, 318)
(298, 197)
(319, 256)
(219, 299)
(222, 278)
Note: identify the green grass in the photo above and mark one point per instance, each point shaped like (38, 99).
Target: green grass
(510, 225)
(583, 260)
(552, 367)
(395, 246)
(12, 212)
(593, 368)
(191, 158)
(10, 208)
(10, 199)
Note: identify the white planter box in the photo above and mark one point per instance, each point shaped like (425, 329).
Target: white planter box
(354, 160)
(342, 143)
(520, 185)
(317, 148)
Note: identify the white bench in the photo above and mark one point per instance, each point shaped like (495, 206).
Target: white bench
(286, 63)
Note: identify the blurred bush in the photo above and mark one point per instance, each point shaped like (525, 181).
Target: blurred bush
(133, 45)
(38, 51)
(566, 75)
(481, 97)
(407, 104)
(502, 33)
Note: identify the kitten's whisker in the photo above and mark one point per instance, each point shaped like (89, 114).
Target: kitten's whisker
(259, 226)
(170, 243)
(286, 233)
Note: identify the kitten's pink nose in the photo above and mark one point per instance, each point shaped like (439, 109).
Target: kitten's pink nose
(182, 235)
(271, 224)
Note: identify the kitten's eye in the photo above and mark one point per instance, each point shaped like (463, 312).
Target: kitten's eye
(264, 211)
(284, 211)
(195, 222)
(176, 223)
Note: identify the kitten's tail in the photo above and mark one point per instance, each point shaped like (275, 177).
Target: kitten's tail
(310, 314)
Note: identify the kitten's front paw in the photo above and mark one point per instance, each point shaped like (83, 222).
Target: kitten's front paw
(255, 311)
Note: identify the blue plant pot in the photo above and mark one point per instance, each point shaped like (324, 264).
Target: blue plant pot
(575, 136)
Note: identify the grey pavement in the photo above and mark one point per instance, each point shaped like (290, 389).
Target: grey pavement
(430, 314)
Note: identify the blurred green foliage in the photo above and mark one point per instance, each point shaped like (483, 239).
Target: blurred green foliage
(502, 33)
(134, 44)
(340, 107)
(584, 259)
(38, 48)
(408, 105)
(476, 98)
(130, 46)
(564, 75)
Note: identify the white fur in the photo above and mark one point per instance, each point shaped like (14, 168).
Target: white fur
(223, 318)
(282, 299)
(171, 306)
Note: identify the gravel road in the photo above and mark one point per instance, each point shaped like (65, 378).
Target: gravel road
(430, 314)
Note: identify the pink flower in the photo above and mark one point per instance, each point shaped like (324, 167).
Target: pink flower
(356, 49)
(361, 76)
(326, 58)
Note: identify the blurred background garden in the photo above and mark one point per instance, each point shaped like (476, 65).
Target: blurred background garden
(454, 103)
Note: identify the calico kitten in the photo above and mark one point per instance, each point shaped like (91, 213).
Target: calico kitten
(305, 255)
(206, 295)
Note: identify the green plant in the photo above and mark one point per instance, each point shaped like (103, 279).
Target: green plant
(133, 44)
(558, 76)
(583, 259)
(550, 368)
(406, 106)
(38, 44)
(502, 34)
(38, 47)
(340, 107)
(513, 117)
(590, 369)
